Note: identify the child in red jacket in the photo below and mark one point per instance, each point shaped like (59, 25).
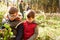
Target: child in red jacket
(30, 27)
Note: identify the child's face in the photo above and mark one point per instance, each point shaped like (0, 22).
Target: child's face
(13, 16)
(30, 20)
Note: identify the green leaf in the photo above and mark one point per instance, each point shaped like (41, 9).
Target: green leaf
(6, 25)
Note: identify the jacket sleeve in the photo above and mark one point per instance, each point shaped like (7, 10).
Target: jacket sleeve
(19, 35)
(3, 22)
(33, 37)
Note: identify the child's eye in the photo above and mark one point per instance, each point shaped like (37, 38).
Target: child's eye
(19, 15)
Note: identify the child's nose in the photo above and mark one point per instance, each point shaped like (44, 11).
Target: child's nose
(14, 14)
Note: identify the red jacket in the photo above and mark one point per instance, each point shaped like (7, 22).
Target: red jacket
(29, 29)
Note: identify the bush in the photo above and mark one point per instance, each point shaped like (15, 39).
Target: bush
(49, 29)
(3, 10)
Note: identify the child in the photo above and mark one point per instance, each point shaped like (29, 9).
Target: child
(13, 18)
(30, 27)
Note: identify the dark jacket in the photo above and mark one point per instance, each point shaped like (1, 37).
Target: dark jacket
(19, 35)
(12, 24)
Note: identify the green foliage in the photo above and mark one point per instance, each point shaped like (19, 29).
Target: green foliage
(8, 32)
(49, 28)
(7, 26)
(3, 10)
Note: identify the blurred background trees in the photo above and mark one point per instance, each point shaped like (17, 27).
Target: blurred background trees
(44, 5)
